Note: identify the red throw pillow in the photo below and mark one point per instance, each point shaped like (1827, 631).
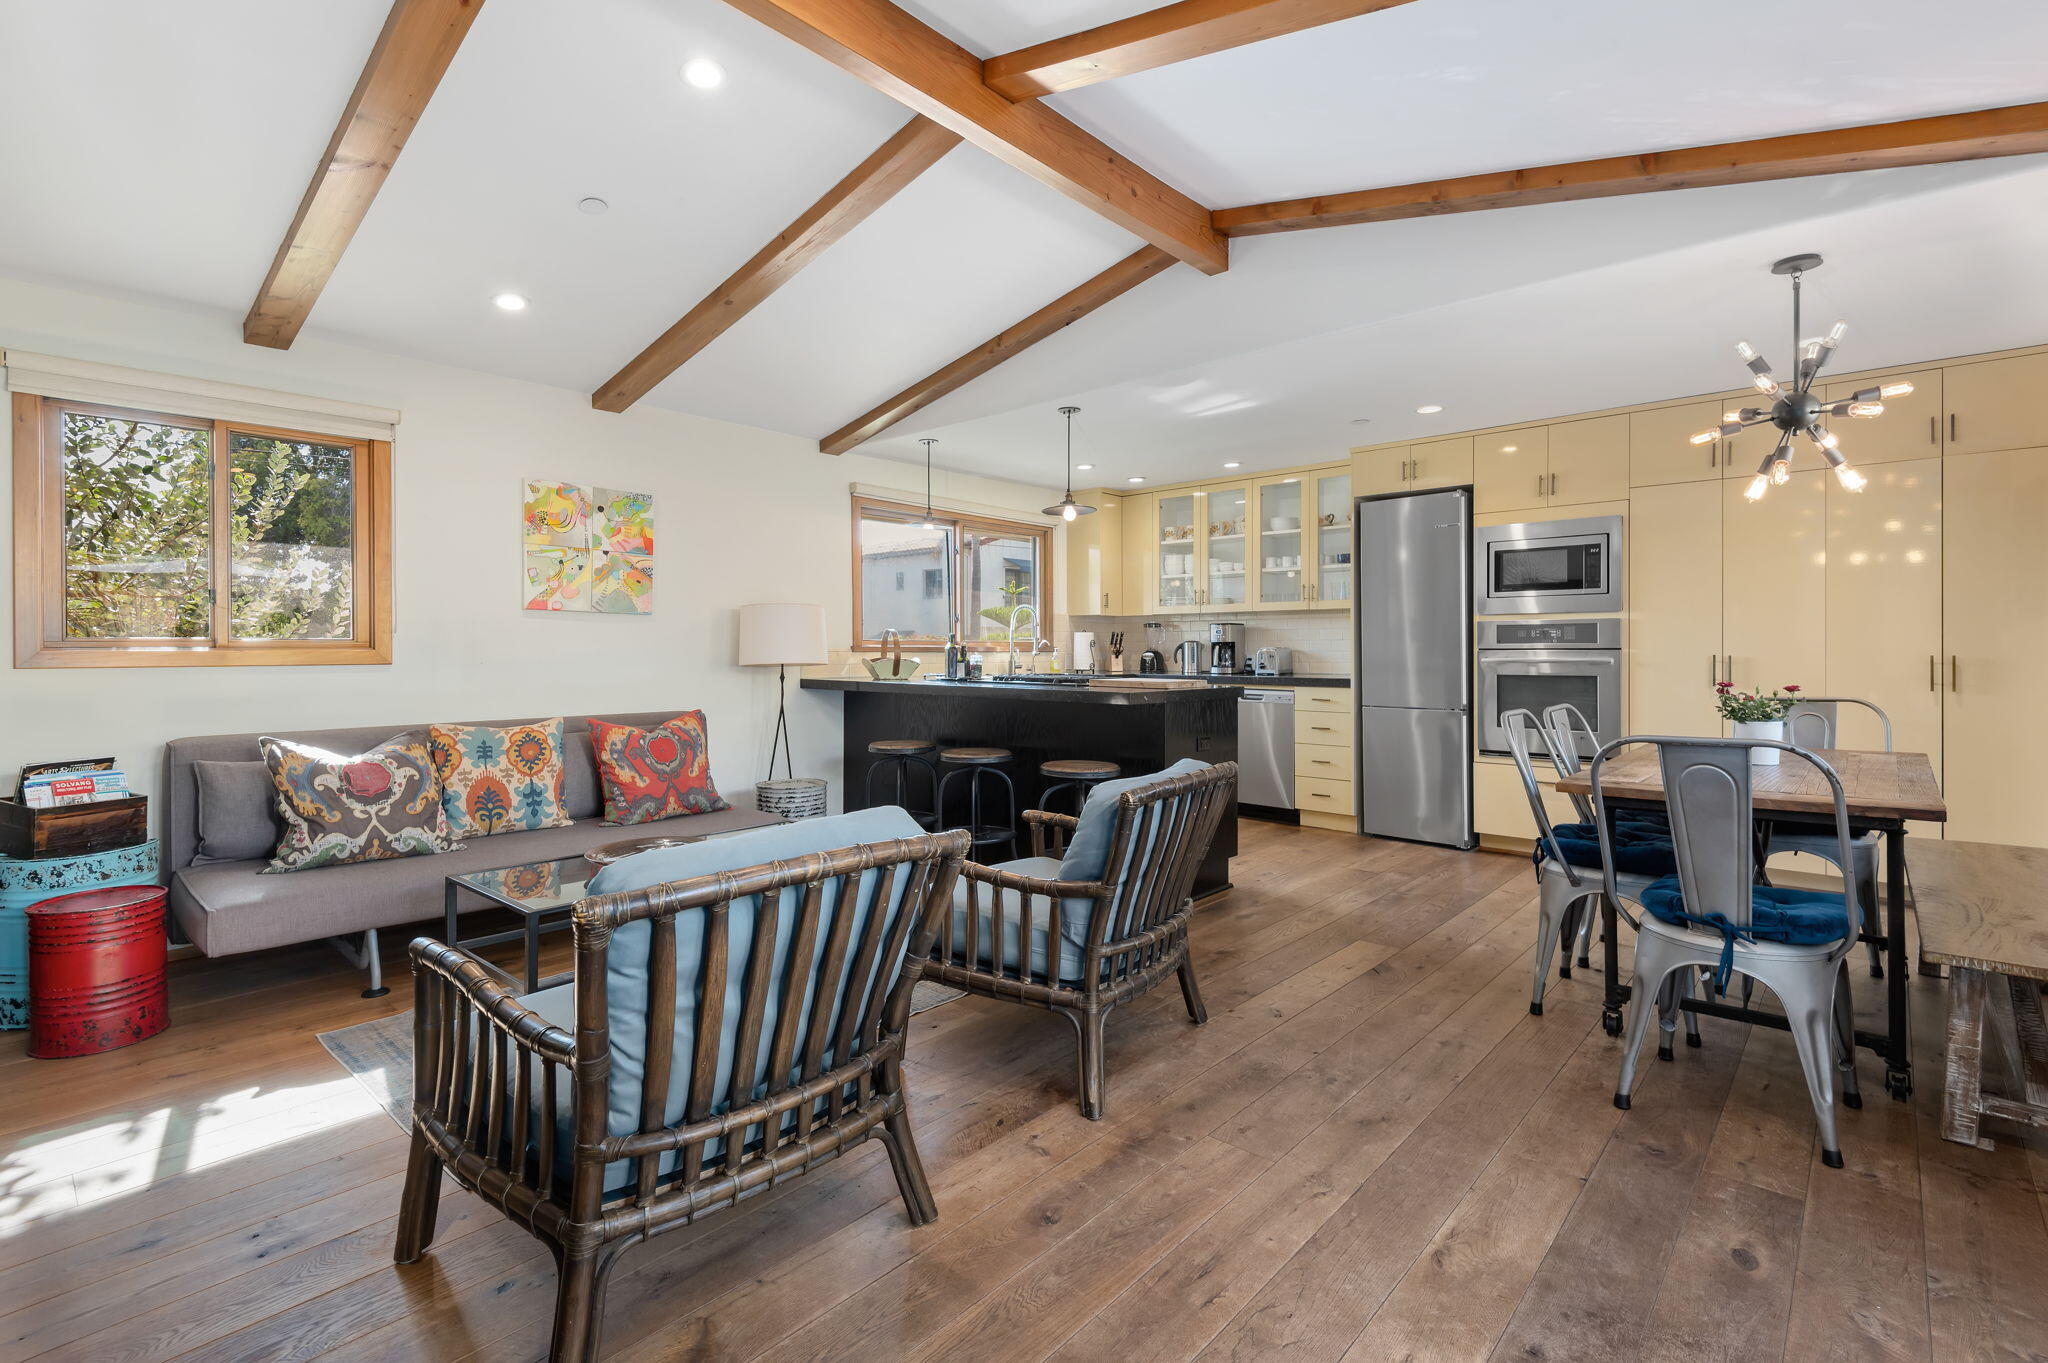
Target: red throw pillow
(651, 774)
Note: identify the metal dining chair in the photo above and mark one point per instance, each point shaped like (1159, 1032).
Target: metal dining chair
(1814, 723)
(1567, 895)
(1712, 915)
(1564, 725)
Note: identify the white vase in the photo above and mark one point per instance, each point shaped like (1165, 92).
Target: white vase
(1770, 729)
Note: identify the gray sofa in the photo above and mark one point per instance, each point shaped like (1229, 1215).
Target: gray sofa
(226, 906)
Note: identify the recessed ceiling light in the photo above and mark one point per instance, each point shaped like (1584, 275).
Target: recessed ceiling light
(1231, 465)
(1134, 480)
(1428, 408)
(703, 73)
(1083, 468)
(592, 205)
(511, 302)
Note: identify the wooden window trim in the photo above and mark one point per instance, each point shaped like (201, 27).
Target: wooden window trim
(39, 556)
(955, 520)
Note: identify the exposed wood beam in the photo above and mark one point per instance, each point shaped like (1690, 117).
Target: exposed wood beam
(916, 65)
(2016, 130)
(1071, 307)
(1160, 37)
(916, 148)
(412, 53)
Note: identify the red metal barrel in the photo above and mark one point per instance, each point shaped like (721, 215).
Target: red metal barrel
(96, 971)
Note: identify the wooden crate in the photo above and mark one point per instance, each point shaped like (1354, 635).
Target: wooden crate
(73, 830)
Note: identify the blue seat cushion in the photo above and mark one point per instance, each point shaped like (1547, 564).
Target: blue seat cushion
(627, 961)
(1640, 849)
(1776, 914)
(992, 903)
(1087, 855)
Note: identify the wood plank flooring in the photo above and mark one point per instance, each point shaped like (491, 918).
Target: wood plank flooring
(1371, 1152)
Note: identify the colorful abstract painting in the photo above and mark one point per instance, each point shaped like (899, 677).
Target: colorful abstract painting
(588, 549)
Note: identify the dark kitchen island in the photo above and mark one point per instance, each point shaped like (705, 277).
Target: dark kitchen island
(1140, 731)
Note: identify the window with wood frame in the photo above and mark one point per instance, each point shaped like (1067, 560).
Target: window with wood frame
(928, 577)
(154, 539)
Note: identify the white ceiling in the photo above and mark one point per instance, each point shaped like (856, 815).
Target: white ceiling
(164, 153)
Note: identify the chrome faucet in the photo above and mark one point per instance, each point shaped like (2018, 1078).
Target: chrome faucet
(1018, 618)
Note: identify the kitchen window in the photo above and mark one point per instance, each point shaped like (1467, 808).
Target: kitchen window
(151, 539)
(975, 576)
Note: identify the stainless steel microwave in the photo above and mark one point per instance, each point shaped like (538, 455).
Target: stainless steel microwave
(1548, 567)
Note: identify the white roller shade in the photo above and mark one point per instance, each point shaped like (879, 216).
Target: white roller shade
(117, 386)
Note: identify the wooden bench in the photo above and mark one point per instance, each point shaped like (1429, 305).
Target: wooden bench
(1983, 912)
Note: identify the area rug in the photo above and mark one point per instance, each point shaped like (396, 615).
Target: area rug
(379, 1053)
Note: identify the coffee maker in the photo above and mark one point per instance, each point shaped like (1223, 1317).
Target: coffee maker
(1226, 649)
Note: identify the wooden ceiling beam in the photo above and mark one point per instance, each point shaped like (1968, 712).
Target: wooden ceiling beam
(2017, 130)
(1063, 311)
(913, 63)
(1160, 37)
(412, 53)
(915, 148)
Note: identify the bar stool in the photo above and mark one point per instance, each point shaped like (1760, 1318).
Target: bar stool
(1084, 774)
(977, 766)
(900, 755)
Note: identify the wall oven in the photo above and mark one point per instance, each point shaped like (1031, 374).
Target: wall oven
(1535, 664)
(1540, 567)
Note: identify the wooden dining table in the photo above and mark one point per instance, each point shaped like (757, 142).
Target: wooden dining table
(1882, 791)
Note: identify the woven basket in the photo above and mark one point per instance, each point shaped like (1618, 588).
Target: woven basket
(800, 798)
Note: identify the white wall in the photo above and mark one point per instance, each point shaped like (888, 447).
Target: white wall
(742, 515)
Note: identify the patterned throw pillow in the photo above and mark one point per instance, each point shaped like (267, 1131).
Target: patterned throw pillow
(376, 805)
(499, 780)
(651, 774)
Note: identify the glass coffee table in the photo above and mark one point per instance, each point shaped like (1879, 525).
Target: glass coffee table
(541, 893)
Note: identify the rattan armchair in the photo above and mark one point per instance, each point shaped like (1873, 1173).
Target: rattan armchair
(528, 1115)
(1022, 937)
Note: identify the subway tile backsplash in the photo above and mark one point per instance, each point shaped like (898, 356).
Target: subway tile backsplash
(1321, 640)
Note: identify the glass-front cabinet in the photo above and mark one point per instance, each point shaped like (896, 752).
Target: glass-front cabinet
(1283, 579)
(1330, 495)
(1173, 568)
(1224, 546)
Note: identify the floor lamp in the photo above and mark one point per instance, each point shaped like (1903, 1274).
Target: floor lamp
(784, 634)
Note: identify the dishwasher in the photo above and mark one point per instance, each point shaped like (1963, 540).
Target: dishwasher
(1265, 747)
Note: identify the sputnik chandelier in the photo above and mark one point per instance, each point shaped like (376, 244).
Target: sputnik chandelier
(1795, 410)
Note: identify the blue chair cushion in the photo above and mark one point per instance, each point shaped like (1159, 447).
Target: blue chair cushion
(1776, 914)
(1087, 855)
(1640, 849)
(627, 959)
(991, 901)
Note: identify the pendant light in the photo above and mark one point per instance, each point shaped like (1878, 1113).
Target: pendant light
(1067, 508)
(930, 523)
(1794, 409)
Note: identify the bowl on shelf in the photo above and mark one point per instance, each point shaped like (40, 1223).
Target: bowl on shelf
(1284, 523)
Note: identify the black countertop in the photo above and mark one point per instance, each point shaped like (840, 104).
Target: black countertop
(1292, 679)
(1056, 692)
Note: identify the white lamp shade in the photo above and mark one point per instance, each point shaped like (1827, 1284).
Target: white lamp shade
(790, 633)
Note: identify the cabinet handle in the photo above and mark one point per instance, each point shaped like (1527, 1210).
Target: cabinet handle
(1714, 669)
(1952, 673)
(1713, 453)
(1539, 485)
(1322, 761)
(1728, 675)
(1553, 485)
(1321, 728)
(1951, 428)
(1934, 430)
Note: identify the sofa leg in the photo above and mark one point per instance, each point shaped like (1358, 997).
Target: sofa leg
(364, 957)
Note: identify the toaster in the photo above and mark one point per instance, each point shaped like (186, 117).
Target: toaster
(1272, 662)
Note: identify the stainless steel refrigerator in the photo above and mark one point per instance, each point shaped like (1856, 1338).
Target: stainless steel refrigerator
(1414, 593)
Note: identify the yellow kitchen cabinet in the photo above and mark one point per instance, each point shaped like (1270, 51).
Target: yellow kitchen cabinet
(1095, 557)
(1511, 470)
(1589, 461)
(1500, 805)
(1774, 585)
(1141, 553)
(1910, 428)
(1176, 529)
(1329, 497)
(1440, 463)
(1674, 608)
(1658, 444)
(1223, 512)
(1324, 730)
(1996, 404)
(1884, 547)
(1316, 796)
(1382, 470)
(1279, 564)
(1995, 637)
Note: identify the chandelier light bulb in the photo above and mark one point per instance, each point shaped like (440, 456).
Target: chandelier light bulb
(1781, 472)
(1708, 436)
(1745, 350)
(1758, 486)
(1849, 478)
(1068, 512)
(1894, 390)
(1810, 349)
(1766, 385)
(1866, 409)
(1827, 439)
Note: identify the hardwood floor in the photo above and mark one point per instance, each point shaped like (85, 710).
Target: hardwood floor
(1371, 1152)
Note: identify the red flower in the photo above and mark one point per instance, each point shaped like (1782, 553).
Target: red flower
(1724, 686)
(1790, 688)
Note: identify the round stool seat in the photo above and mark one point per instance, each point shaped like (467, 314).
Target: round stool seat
(974, 757)
(1079, 769)
(901, 746)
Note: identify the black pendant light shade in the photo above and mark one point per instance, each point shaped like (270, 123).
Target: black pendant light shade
(1067, 508)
